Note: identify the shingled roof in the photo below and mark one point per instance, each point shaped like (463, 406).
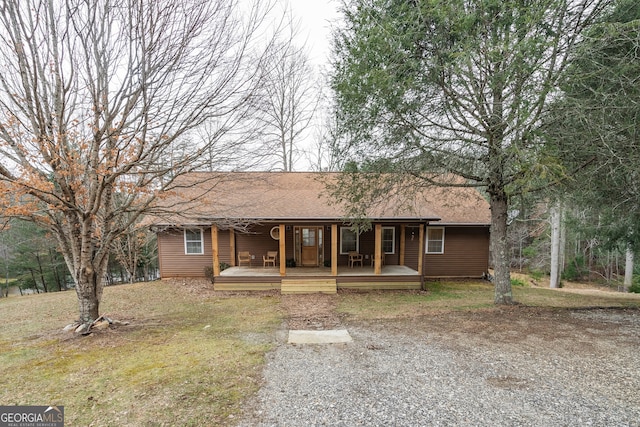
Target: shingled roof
(207, 198)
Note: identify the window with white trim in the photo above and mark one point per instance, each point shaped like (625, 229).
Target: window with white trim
(435, 240)
(193, 241)
(349, 240)
(389, 240)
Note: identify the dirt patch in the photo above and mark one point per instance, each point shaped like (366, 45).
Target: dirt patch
(311, 311)
(592, 332)
(192, 286)
(520, 328)
(533, 327)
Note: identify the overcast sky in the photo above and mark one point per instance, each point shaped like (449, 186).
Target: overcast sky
(316, 17)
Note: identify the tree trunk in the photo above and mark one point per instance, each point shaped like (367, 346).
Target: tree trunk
(628, 269)
(35, 282)
(563, 242)
(41, 274)
(500, 250)
(554, 281)
(89, 290)
(56, 273)
(134, 268)
(88, 302)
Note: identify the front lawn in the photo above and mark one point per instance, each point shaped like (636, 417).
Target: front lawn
(187, 358)
(471, 295)
(191, 356)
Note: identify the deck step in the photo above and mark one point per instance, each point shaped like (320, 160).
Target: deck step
(308, 286)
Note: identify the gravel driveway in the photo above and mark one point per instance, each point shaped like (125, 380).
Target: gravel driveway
(515, 367)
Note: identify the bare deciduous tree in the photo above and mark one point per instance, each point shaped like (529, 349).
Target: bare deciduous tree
(289, 98)
(96, 96)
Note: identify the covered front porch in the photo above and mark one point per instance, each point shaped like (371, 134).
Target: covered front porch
(318, 245)
(316, 257)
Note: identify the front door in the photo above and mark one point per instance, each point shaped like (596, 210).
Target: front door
(309, 247)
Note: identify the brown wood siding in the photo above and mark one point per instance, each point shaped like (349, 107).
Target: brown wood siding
(366, 248)
(258, 242)
(466, 250)
(289, 243)
(326, 242)
(224, 246)
(367, 244)
(412, 247)
(466, 254)
(173, 260)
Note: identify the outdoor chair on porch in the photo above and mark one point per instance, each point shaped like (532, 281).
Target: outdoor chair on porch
(244, 257)
(270, 258)
(354, 258)
(373, 258)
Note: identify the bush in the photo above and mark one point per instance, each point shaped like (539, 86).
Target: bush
(208, 272)
(536, 274)
(635, 285)
(517, 282)
(575, 270)
(529, 252)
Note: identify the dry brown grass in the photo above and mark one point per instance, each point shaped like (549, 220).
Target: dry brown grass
(472, 295)
(188, 357)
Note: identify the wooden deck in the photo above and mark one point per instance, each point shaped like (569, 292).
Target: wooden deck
(308, 285)
(311, 280)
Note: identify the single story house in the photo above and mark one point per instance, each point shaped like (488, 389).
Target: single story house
(279, 230)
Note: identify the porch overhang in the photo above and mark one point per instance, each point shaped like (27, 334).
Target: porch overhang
(221, 222)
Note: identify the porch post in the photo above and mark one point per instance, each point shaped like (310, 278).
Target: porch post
(421, 250)
(283, 251)
(403, 243)
(377, 264)
(214, 250)
(232, 247)
(334, 249)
